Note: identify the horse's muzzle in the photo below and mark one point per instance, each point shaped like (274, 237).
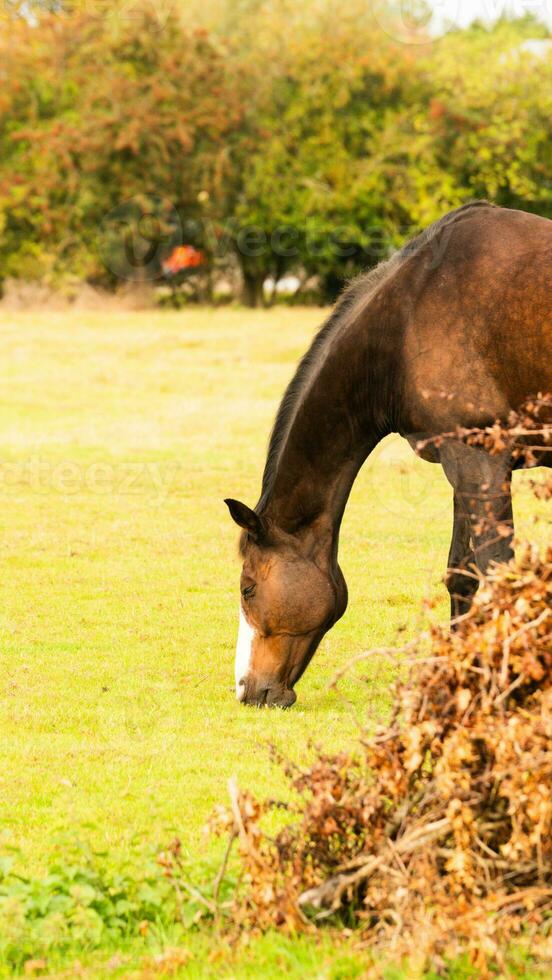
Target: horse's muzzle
(262, 694)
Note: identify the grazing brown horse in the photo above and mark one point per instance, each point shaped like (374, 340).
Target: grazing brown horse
(454, 330)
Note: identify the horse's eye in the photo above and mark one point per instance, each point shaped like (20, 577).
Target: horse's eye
(248, 591)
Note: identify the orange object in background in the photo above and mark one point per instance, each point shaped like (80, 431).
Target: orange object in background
(183, 257)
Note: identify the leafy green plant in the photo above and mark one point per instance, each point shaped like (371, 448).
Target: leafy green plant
(84, 901)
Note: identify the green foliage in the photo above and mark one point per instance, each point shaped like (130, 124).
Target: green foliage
(283, 137)
(354, 160)
(86, 902)
(98, 111)
(491, 131)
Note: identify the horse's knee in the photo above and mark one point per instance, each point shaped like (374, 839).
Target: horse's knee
(495, 544)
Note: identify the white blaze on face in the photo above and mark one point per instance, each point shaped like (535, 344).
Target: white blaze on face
(244, 652)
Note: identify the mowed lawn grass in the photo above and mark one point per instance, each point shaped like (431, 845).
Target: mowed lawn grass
(120, 435)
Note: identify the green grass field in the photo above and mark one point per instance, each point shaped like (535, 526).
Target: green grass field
(120, 434)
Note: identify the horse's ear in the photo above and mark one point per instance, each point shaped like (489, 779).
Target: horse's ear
(246, 518)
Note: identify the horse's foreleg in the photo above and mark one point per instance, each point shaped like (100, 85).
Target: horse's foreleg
(461, 579)
(483, 506)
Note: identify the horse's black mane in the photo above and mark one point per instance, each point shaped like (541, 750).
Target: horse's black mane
(356, 293)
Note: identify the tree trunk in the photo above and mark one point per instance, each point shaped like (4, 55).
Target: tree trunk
(252, 292)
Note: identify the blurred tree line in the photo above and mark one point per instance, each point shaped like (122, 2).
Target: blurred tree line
(276, 137)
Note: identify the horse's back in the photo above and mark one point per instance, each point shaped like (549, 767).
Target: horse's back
(476, 308)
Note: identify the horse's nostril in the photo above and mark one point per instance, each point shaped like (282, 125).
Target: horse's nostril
(240, 691)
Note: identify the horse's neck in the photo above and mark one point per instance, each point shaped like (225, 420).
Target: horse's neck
(307, 487)
(332, 431)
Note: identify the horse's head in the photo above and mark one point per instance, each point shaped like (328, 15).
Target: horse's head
(290, 597)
